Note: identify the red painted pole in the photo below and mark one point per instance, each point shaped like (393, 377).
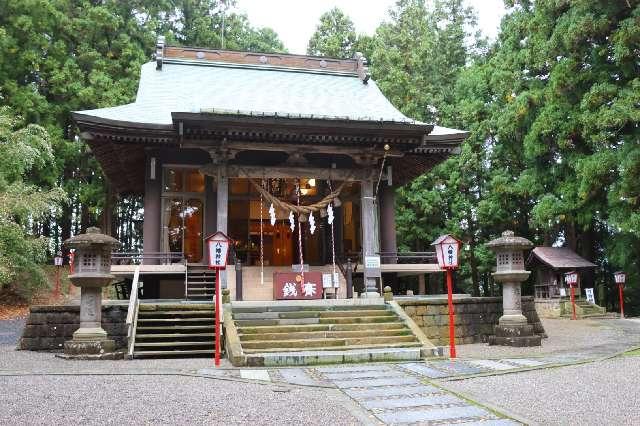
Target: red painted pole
(620, 292)
(452, 329)
(217, 296)
(573, 302)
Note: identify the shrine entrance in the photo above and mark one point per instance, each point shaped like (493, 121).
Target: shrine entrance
(258, 242)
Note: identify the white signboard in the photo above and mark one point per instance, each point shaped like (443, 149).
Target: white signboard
(563, 292)
(372, 267)
(590, 297)
(218, 246)
(57, 261)
(326, 281)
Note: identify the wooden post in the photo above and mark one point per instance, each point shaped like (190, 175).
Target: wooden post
(370, 243)
(422, 286)
(222, 204)
(238, 279)
(349, 279)
(217, 321)
(452, 320)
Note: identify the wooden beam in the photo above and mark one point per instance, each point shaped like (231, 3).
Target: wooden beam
(291, 172)
(308, 149)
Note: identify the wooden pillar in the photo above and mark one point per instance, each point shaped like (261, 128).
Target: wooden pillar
(222, 207)
(152, 227)
(210, 210)
(369, 224)
(388, 221)
(422, 286)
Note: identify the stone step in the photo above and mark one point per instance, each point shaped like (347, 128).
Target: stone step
(294, 308)
(181, 313)
(175, 327)
(172, 343)
(171, 320)
(301, 321)
(326, 342)
(310, 314)
(183, 353)
(305, 347)
(324, 334)
(331, 356)
(172, 335)
(175, 307)
(319, 327)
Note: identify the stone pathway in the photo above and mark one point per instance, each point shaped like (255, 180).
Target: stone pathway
(397, 395)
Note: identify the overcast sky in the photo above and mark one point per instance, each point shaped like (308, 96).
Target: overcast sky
(296, 20)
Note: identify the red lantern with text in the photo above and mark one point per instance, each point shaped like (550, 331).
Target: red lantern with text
(620, 278)
(447, 252)
(571, 278)
(218, 250)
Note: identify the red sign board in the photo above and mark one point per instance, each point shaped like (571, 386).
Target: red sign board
(290, 286)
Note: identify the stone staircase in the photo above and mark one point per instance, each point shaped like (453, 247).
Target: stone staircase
(201, 282)
(166, 330)
(584, 309)
(314, 334)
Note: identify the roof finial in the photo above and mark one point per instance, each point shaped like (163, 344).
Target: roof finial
(159, 52)
(361, 68)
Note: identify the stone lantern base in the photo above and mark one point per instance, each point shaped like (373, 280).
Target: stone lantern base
(90, 343)
(519, 335)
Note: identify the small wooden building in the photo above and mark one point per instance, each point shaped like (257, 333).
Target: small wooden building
(550, 264)
(207, 125)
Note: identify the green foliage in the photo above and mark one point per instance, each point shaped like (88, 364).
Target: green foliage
(22, 150)
(335, 36)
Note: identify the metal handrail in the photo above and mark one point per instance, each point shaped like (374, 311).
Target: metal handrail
(133, 258)
(132, 312)
(409, 256)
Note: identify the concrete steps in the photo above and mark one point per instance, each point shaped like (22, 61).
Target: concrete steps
(201, 282)
(174, 330)
(304, 335)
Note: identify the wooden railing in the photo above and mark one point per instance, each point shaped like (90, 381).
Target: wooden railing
(408, 257)
(132, 313)
(137, 258)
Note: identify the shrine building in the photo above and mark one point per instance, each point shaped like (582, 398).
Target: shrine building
(296, 158)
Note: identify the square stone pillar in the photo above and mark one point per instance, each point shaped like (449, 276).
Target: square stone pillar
(222, 204)
(369, 224)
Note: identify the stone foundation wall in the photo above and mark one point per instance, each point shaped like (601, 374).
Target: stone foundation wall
(474, 317)
(49, 326)
(549, 308)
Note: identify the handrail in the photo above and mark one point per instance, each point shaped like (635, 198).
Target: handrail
(132, 312)
(129, 258)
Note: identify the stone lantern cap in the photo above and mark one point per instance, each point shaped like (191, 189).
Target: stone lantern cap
(508, 241)
(93, 237)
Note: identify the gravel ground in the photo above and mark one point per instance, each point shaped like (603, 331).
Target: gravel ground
(166, 400)
(10, 331)
(600, 393)
(584, 337)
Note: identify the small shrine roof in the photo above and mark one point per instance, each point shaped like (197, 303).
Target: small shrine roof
(559, 258)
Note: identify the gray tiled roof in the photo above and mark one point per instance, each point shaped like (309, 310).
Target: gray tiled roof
(194, 87)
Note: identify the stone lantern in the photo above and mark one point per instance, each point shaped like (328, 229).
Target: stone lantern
(513, 328)
(91, 272)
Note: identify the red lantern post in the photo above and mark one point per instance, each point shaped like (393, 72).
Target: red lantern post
(57, 261)
(218, 249)
(447, 250)
(620, 278)
(571, 278)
